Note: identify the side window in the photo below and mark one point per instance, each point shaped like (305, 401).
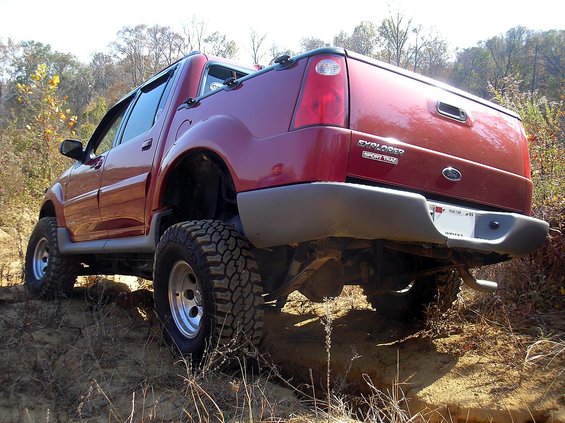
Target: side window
(108, 139)
(144, 111)
(105, 133)
(216, 77)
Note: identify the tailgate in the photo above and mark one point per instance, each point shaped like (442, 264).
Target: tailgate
(411, 132)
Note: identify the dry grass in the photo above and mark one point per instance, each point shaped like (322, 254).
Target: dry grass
(99, 356)
(90, 359)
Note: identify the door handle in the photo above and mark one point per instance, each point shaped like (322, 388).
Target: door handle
(146, 144)
(98, 163)
(451, 111)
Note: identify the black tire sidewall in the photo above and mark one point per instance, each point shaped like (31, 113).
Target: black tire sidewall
(34, 285)
(166, 259)
(61, 273)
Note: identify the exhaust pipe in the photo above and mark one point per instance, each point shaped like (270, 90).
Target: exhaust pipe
(478, 285)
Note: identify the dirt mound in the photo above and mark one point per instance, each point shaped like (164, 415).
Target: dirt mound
(469, 374)
(98, 356)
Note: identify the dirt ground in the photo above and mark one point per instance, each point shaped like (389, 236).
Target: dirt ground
(458, 371)
(98, 356)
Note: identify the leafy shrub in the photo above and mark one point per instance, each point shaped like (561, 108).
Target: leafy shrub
(29, 144)
(538, 280)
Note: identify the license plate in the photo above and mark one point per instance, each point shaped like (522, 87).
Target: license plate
(453, 221)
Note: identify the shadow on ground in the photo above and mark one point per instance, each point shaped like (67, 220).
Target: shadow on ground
(364, 347)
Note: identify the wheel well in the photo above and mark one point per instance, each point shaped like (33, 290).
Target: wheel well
(200, 187)
(47, 210)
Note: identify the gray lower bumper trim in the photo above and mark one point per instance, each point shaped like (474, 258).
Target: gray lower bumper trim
(298, 213)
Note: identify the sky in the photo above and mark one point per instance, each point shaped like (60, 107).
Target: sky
(82, 28)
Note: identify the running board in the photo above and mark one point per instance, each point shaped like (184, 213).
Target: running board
(136, 244)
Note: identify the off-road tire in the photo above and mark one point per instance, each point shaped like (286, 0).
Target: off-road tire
(225, 289)
(439, 291)
(48, 274)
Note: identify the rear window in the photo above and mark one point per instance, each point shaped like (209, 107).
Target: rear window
(217, 75)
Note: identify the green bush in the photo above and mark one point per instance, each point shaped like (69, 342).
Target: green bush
(29, 144)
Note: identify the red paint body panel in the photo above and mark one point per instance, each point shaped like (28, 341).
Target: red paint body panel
(311, 154)
(248, 128)
(402, 112)
(81, 211)
(185, 84)
(419, 169)
(123, 189)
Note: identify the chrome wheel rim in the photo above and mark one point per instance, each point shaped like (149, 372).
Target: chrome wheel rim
(41, 259)
(185, 299)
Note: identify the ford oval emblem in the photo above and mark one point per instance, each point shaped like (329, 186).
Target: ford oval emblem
(451, 174)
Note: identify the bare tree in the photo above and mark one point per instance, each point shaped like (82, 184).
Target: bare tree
(155, 47)
(415, 50)
(132, 48)
(394, 33)
(363, 39)
(552, 72)
(196, 37)
(471, 69)
(165, 46)
(342, 39)
(257, 45)
(506, 52)
(193, 33)
(434, 56)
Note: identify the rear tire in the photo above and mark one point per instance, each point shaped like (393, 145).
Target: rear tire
(412, 302)
(207, 288)
(48, 273)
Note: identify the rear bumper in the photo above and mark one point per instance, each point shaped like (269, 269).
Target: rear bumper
(305, 212)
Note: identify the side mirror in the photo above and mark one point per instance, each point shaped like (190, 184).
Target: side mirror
(72, 149)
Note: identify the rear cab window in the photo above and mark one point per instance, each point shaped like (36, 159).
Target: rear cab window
(216, 75)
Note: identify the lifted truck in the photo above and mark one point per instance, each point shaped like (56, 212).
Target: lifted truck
(231, 186)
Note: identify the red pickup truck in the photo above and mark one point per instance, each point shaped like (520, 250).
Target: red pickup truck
(231, 186)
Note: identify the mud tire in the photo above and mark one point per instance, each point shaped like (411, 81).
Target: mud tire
(48, 274)
(439, 291)
(225, 288)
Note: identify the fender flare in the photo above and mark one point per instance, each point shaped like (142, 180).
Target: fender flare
(54, 199)
(217, 135)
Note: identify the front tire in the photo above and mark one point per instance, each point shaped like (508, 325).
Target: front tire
(48, 273)
(207, 288)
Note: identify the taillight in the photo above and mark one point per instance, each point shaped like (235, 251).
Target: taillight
(323, 97)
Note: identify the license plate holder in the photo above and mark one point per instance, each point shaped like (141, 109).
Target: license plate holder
(453, 221)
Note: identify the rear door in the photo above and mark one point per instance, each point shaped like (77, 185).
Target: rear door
(127, 167)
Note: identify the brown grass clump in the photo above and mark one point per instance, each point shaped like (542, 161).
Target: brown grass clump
(536, 283)
(98, 356)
